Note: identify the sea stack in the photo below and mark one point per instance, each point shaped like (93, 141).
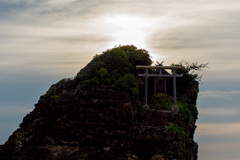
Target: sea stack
(100, 114)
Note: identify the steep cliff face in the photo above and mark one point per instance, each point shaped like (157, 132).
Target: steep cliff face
(75, 120)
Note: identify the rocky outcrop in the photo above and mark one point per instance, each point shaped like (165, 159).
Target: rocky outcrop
(99, 123)
(78, 121)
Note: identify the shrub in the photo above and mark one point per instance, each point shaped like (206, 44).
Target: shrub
(116, 67)
(141, 111)
(178, 130)
(190, 75)
(161, 101)
(184, 110)
(193, 110)
(55, 96)
(49, 93)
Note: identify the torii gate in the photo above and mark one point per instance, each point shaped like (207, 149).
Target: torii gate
(160, 68)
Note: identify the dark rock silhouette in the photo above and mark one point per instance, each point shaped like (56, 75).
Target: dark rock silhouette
(101, 122)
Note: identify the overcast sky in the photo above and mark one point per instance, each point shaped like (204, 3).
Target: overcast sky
(43, 41)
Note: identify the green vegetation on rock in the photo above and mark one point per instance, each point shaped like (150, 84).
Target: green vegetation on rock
(141, 111)
(51, 93)
(190, 75)
(161, 102)
(115, 67)
(188, 85)
(184, 110)
(178, 130)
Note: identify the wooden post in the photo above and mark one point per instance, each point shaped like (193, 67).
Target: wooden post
(165, 86)
(174, 87)
(146, 87)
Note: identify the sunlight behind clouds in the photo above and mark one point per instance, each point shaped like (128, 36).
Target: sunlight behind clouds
(129, 29)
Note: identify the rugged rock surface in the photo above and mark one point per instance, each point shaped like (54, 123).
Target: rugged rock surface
(100, 123)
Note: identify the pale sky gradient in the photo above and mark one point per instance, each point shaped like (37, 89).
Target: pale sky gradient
(43, 41)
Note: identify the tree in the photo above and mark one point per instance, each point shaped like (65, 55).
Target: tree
(115, 67)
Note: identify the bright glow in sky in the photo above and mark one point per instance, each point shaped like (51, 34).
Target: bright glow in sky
(43, 41)
(129, 29)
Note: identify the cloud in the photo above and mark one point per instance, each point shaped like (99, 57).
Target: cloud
(68, 22)
(219, 114)
(38, 34)
(11, 111)
(61, 34)
(15, 11)
(218, 141)
(219, 151)
(7, 128)
(10, 118)
(219, 106)
(219, 99)
(219, 94)
(219, 129)
(199, 33)
(220, 111)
